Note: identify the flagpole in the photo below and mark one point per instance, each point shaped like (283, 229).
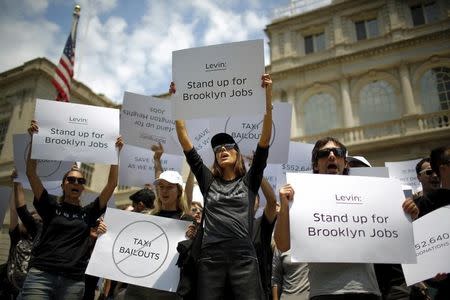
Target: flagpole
(65, 69)
(76, 17)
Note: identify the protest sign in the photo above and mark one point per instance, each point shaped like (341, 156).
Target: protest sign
(246, 131)
(139, 249)
(219, 80)
(47, 170)
(147, 121)
(5, 196)
(299, 159)
(405, 171)
(137, 166)
(432, 246)
(360, 218)
(76, 132)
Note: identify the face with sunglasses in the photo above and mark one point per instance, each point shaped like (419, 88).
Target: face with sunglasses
(226, 154)
(428, 178)
(73, 186)
(330, 159)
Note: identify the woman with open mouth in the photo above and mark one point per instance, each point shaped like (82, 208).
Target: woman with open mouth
(228, 267)
(60, 256)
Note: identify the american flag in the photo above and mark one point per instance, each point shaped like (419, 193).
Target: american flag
(64, 71)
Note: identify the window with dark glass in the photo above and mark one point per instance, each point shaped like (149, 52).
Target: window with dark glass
(366, 29)
(424, 13)
(314, 43)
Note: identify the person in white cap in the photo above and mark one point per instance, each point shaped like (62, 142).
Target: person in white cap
(228, 267)
(170, 203)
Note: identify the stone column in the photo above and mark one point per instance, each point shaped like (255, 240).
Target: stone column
(291, 98)
(346, 104)
(407, 92)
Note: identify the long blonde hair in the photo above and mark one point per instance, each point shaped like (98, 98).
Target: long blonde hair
(182, 203)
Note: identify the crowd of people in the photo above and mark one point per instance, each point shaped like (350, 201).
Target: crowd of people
(241, 256)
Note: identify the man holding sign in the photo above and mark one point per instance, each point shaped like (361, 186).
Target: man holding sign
(331, 280)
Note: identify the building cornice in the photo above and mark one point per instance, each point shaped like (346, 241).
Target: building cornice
(43, 67)
(363, 54)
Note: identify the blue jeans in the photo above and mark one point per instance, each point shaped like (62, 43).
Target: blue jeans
(229, 270)
(46, 286)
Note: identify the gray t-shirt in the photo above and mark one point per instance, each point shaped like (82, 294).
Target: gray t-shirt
(342, 278)
(290, 277)
(229, 204)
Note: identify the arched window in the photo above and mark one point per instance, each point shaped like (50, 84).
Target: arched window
(377, 103)
(320, 113)
(435, 89)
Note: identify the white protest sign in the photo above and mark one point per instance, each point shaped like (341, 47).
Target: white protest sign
(5, 195)
(47, 170)
(405, 171)
(147, 121)
(219, 80)
(360, 218)
(372, 172)
(137, 166)
(138, 249)
(246, 131)
(432, 245)
(75, 132)
(299, 159)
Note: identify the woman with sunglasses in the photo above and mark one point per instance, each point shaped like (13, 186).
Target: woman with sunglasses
(228, 267)
(60, 256)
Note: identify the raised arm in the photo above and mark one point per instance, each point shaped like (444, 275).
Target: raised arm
(270, 210)
(189, 188)
(13, 218)
(158, 151)
(266, 133)
(282, 231)
(180, 126)
(33, 178)
(113, 176)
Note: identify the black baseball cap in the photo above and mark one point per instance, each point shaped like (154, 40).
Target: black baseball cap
(221, 139)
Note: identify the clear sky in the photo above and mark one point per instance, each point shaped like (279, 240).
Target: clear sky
(126, 45)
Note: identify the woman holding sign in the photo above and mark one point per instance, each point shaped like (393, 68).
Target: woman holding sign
(61, 254)
(228, 265)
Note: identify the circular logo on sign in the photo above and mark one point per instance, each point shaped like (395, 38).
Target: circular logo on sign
(45, 168)
(250, 130)
(140, 249)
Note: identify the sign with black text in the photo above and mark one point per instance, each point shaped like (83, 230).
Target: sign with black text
(75, 132)
(405, 171)
(246, 131)
(138, 249)
(432, 246)
(360, 218)
(47, 170)
(137, 166)
(219, 80)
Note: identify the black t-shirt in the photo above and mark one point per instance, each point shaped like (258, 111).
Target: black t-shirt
(262, 239)
(432, 201)
(63, 246)
(229, 204)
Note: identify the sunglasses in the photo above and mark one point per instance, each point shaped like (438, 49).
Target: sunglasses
(429, 172)
(72, 180)
(338, 152)
(218, 148)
